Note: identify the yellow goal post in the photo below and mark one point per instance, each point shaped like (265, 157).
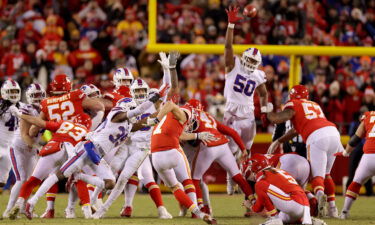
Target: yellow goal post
(293, 51)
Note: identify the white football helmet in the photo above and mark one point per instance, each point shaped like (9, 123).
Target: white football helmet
(251, 59)
(35, 93)
(140, 91)
(11, 91)
(123, 76)
(126, 104)
(91, 91)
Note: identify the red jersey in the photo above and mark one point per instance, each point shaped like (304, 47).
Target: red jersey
(308, 117)
(64, 131)
(166, 134)
(369, 121)
(267, 180)
(63, 107)
(208, 124)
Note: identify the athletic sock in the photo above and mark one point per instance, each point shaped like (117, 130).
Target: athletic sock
(155, 193)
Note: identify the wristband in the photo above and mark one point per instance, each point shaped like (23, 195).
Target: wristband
(231, 25)
(172, 67)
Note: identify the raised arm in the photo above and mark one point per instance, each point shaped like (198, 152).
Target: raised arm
(228, 52)
(171, 107)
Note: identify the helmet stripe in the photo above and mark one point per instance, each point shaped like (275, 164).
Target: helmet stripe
(37, 86)
(255, 51)
(139, 82)
(13, 82)
(126, 71)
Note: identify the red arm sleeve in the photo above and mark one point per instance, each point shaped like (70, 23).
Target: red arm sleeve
(53, 126)
(232, 133)
(263, 201)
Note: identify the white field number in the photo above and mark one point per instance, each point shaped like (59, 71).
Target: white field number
(77, 133)
(160, 124)
(312, 110)
(66, 107)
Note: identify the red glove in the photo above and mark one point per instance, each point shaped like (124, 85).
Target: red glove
(232, 14)
(344, 154)
(264, 119)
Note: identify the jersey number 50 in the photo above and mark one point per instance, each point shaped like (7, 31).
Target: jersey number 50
(243, 85)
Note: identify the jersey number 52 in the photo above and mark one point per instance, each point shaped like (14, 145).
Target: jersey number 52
(243, 85)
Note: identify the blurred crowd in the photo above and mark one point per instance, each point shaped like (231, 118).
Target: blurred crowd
(89, 39)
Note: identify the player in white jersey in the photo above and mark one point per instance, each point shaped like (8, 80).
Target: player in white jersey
(11, 95)
(111, 133)
(23, 150)
(138, 148)
(241, 81)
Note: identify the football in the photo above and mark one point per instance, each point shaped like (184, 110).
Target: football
(250, 11)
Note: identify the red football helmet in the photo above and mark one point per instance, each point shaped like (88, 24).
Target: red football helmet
(83, 119)
(195, 103)
(60, 84)
(124, 91)
(298, 92)
(258, 162)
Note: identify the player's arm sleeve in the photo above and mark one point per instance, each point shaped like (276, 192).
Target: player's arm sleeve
(232, 133)
(283, 116)
(139, 109)
(263, 201)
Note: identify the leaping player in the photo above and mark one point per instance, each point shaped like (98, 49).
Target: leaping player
(241, 80)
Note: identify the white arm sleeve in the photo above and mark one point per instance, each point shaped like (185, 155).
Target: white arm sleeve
(166, 80)
(96, 120)
(139, 110)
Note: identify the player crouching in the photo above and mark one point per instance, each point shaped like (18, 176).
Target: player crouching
(279, 194)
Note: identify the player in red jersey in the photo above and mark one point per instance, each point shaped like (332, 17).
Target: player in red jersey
(322, 141)
(169, 159)
(279, 194)
(65, 104)
(365, 169)
(216, 150)
(53, 154)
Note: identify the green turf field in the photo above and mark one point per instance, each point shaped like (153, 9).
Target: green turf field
(227, 210)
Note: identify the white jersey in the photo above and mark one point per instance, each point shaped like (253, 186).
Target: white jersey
(26, 109)
(110, 135)
(239, 90)
(8, 124)
(142, 137)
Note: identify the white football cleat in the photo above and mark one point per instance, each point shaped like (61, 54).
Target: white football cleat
(70, 213)
(163, 213)
(333, 212)
(316, 221)
(344, 215)
(87, 213)
(322, 205)
(273, 221)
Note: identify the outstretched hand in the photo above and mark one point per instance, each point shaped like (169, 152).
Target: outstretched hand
(232, 13)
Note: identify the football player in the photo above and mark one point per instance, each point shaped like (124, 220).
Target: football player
(10, 95)
(242, 79)
(112, 133)
(216, 150)
(64, 104)
(169, 159)
(91, 91)
(66, 135)
(322, 140)
(23, 151)
(366, 165)
(279, 194)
